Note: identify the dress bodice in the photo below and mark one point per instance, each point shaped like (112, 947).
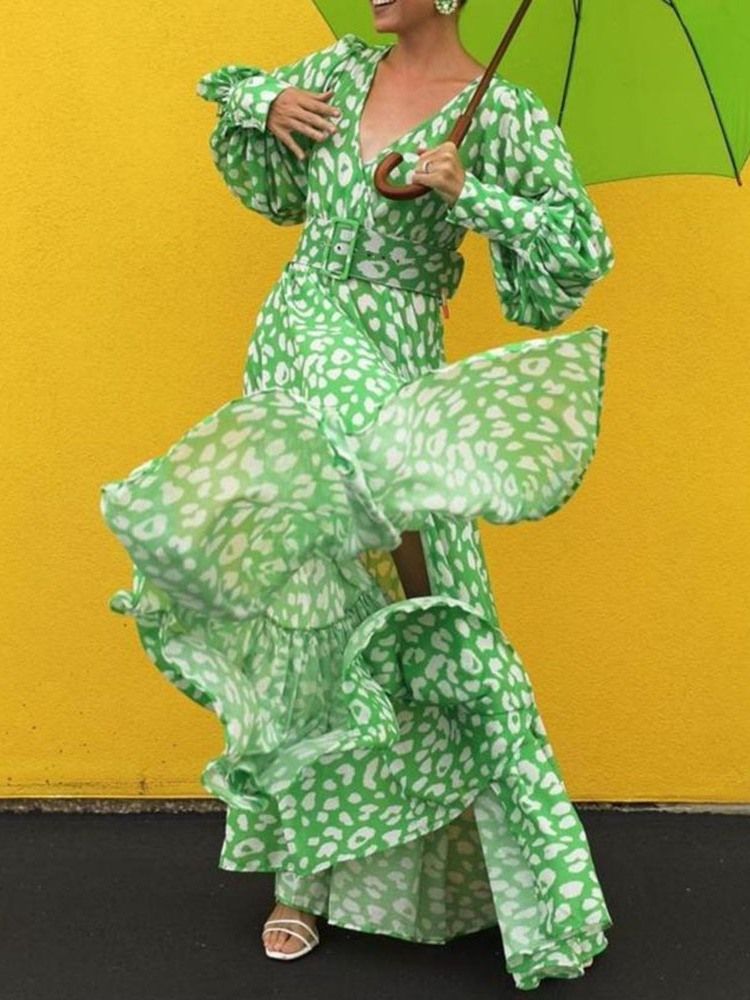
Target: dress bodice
(340, 181)
(521, 188)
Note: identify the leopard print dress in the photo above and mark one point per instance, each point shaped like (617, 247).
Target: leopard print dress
(384, 755)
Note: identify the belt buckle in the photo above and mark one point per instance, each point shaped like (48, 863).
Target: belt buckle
(340, 245)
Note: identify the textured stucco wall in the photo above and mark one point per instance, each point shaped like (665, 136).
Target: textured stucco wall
(131, 281)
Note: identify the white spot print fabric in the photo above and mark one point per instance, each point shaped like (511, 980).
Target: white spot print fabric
(384, 756)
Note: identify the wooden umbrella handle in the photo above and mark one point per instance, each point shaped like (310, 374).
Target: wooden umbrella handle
(459, 130)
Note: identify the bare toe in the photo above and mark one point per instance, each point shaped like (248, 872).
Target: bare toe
(276, 938)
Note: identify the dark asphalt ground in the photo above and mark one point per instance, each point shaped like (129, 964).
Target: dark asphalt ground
(135, 907)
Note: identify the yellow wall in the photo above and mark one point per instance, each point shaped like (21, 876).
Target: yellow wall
(131, 281)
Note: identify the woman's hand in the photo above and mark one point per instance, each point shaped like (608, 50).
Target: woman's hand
(305, 111)
(446, 174)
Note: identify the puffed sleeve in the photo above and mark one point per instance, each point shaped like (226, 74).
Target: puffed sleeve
(257, 166)
(546, 239)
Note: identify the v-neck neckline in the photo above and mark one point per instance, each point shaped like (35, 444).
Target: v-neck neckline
(368, 85)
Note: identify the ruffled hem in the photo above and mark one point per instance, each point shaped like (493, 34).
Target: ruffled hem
(361, 700)
(339, 920)
(428, 735)
(254, 491)
(259, 677)
(352, 723)
(506, 434)
(566, 958)
(550, 906)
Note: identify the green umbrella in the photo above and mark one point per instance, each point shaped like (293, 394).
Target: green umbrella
(641, 87)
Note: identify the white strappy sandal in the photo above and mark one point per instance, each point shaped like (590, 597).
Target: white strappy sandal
(286, 955)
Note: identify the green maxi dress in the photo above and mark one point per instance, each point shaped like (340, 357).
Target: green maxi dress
(383, 756)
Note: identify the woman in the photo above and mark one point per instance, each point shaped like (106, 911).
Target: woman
(307, 560)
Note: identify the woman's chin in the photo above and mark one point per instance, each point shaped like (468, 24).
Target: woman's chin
(383, 16)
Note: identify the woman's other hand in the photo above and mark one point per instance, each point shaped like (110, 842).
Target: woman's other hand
(305, 111)
(446, 174)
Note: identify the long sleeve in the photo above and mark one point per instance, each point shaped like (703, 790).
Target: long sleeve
(546, 239)
(257, 166)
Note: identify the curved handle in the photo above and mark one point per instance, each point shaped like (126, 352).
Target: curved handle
(388, 164)
(459, 130)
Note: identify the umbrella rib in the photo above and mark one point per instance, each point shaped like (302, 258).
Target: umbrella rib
(702, 68)
(577, 8)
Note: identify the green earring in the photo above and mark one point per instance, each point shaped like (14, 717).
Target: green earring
(446, 6)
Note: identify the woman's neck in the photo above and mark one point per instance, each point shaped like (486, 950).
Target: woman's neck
(431, 52)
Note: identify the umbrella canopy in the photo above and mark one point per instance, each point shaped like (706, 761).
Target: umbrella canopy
(640, 87)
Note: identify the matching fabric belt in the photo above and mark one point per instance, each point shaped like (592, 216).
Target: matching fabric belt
(344, 247)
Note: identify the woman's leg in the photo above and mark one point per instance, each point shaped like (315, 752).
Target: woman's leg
(411, 566)
(300, 897)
